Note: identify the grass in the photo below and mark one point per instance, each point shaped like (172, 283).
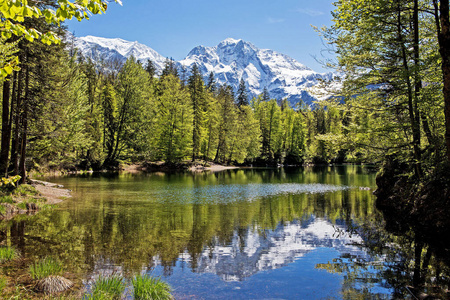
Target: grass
(8, 254)
(147, 287)
(26, 190)
(45, 267)
(110, 287)
(2, 209)
(6, 199)
(2, 284)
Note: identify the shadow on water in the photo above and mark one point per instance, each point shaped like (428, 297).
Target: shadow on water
(234, 234)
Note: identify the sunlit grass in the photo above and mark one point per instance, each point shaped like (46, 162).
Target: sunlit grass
(6, 199)
(2, 284)
(45, 267)
(147, 287)
(8, 253)
(110, 287)
(26, 190)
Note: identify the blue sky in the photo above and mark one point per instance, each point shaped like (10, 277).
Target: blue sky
(174, 27)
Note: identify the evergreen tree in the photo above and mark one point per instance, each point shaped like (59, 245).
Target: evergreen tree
(226, 119)
(211, 86)
(198, 100)
(170, 67)
(265, 95)
(151, 69)
(242, 96)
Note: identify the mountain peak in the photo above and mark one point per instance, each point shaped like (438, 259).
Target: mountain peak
(231, 60)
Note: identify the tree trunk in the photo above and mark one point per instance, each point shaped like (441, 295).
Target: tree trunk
(6, 134)
(444, 49)
(23, 151)
(17, 115)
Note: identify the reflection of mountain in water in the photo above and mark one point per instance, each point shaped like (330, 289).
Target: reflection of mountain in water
(254, 251)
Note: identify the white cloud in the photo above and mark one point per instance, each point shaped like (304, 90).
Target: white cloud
(273, 20)
(310, 12)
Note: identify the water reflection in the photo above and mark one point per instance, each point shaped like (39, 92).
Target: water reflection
(240, 233)
(255, 251)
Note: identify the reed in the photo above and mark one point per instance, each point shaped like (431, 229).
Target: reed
(8, 254)
(147, 287)
(45, 267)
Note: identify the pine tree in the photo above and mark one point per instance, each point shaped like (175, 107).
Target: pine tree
(151, 69)
(265, 95)
(211, 86)
(198, 100)
(242, 97)
(170, 67)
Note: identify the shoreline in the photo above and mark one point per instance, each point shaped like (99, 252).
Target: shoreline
(44, 194)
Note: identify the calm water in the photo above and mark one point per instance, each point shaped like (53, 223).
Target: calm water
(238, 234)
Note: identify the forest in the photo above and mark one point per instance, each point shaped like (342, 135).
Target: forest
(389, 106)
(63, 111)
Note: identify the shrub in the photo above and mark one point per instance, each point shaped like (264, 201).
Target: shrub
(7, 254)
(45, 267)
(147, 287)
(9, 184)
(110, 287)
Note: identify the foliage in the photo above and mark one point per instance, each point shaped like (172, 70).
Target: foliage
(15, 13)
(8, 254)
(110, 287)
(45, 267)
(146, 288)
(8, 184)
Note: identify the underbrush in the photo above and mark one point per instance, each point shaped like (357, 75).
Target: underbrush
(8, 254)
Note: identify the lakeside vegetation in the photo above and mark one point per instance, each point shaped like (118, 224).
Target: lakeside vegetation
(61, 111)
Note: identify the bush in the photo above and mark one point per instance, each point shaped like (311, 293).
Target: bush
(8, 254)
(110, 287)
(45, 267)
(8, 184)
(147, 287)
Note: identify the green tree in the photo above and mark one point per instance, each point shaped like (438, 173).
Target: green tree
(173, 131)
(198, 99)
(242, 96)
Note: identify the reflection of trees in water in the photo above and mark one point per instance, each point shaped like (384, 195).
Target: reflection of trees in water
(404, 260)
(133, 235)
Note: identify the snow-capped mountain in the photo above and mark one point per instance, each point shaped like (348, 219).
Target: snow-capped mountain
(230, 60)
(98, 48)
(250, 253)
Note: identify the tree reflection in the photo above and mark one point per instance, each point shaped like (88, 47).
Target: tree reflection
(104, 226)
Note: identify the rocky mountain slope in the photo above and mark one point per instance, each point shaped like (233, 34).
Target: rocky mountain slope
(230, 60)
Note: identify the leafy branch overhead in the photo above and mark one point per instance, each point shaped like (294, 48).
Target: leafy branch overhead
(14, 12)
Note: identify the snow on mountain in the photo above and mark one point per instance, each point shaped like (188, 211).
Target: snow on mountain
(230, 60)
(250, 253)
(99, 48)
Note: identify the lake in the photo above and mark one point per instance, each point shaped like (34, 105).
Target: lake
(309, 233)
